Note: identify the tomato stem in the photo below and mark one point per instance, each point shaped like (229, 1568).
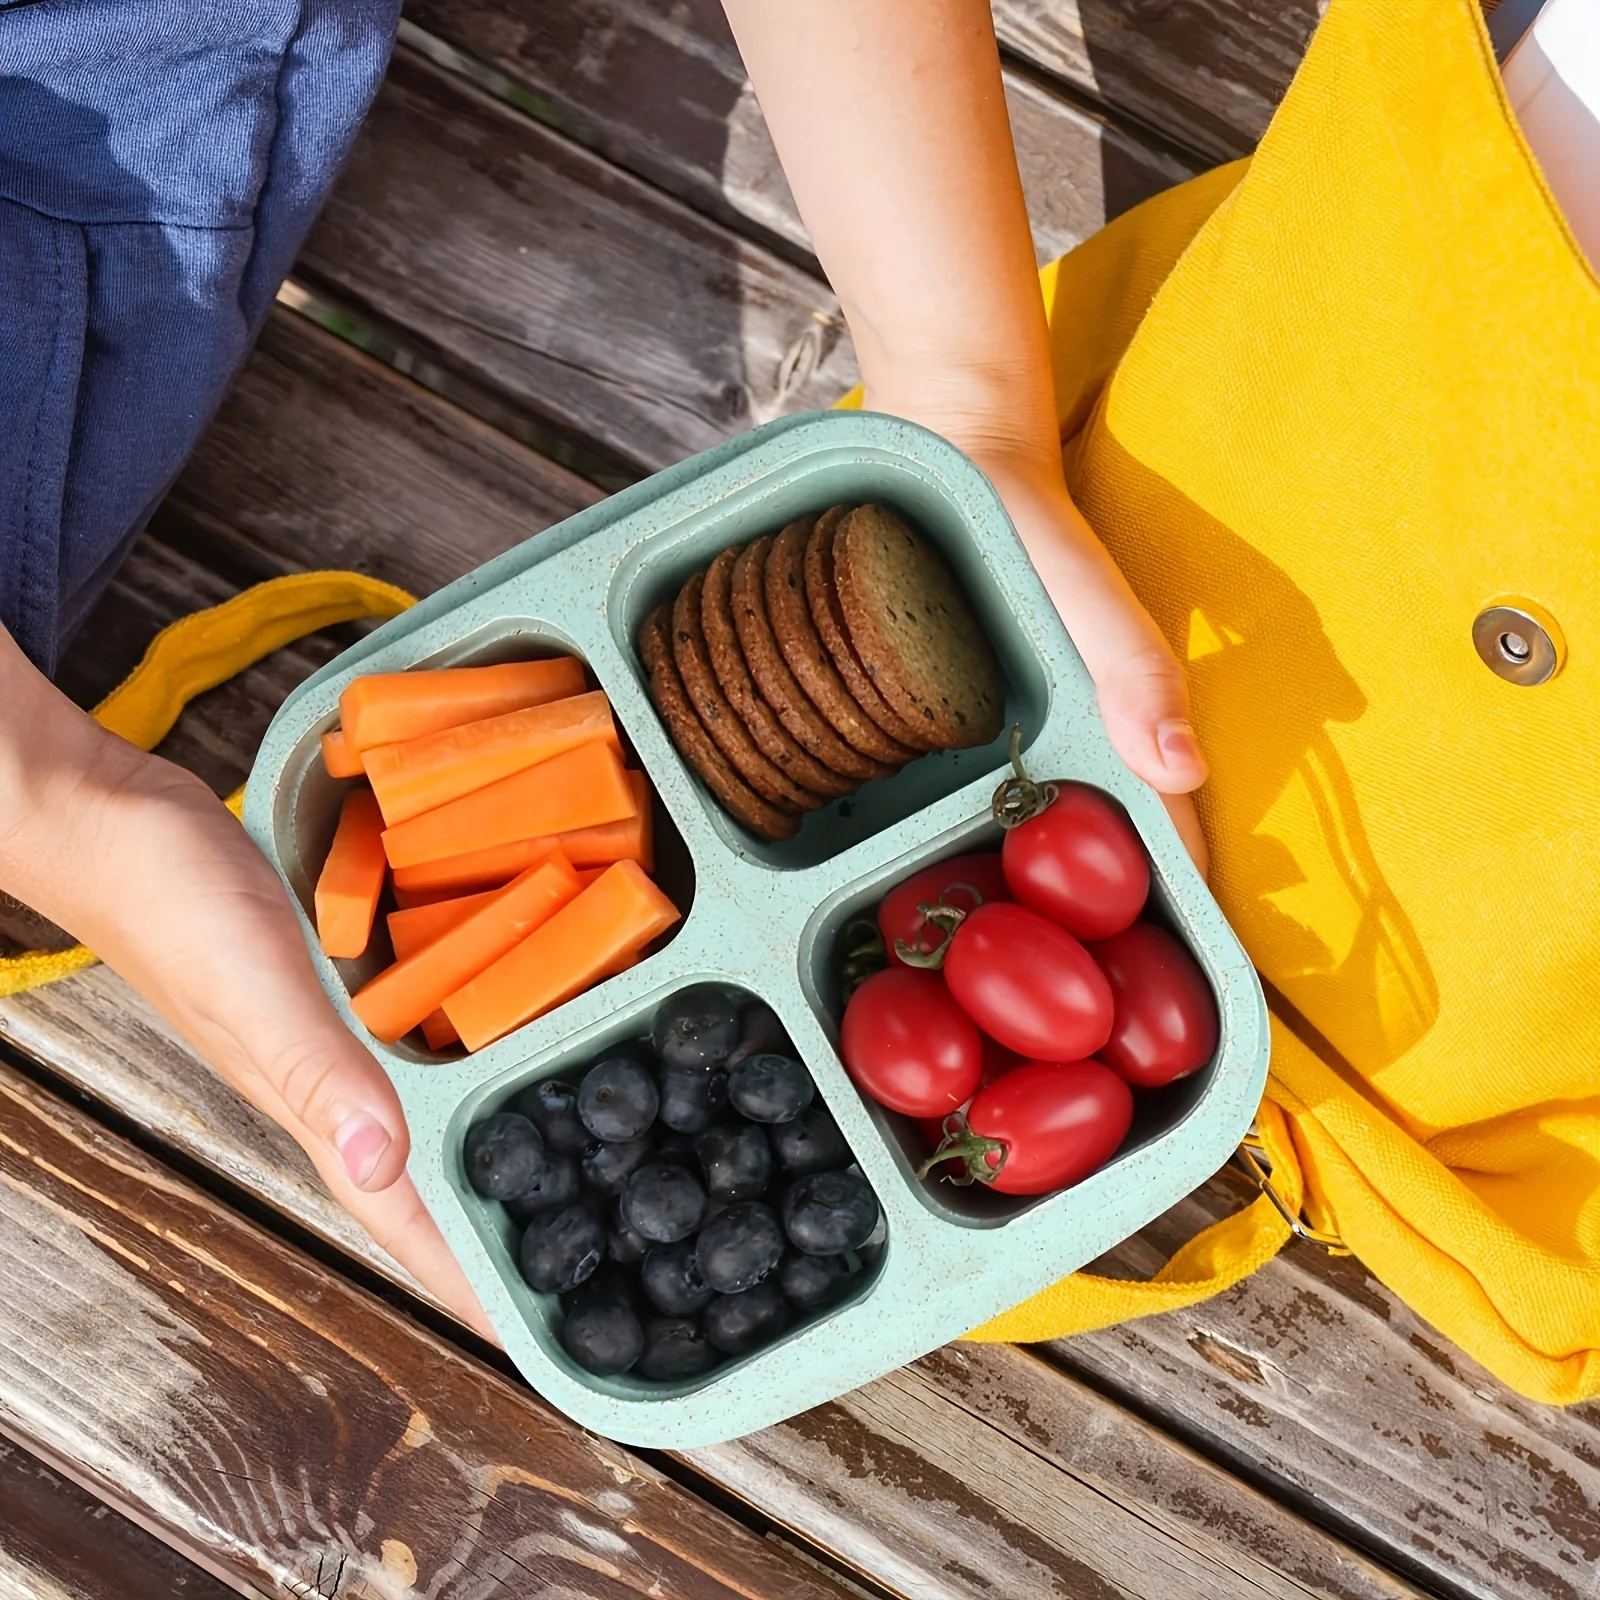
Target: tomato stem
(947, 919)
(960, 1143)
(1019, 799)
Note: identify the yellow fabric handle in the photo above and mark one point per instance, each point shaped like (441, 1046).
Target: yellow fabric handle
(197, 653)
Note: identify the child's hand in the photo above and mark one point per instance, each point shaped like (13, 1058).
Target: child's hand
(142, 863)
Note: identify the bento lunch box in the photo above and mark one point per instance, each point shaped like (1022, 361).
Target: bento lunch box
(764, 917)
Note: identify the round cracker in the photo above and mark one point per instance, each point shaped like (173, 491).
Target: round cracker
(822, 597)
(805, 723)
(721, 721)
(693, 743)
(727, 661)
(914, 631)
(803, 652)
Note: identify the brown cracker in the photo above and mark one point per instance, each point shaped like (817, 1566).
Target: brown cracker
(721, 721)
(727, 661)
(736, 797)
(804, 722)
(914, 631)
(803, 652)
(822, 596)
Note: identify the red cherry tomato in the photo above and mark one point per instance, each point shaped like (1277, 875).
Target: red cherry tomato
(908, 1044)
(997, 1062)
(1046, 1125)
(899, 918)
(1165, 1025)
(1028, 984)
(1080, 863)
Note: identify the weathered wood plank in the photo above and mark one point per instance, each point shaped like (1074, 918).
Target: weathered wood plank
(1321, 1384)
(663, 93)
(972, 1473)
(258, 1410)
(577, 291)
(57, 1542)
(1208, 73)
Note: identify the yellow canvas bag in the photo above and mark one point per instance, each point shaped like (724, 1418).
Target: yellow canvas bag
(1327, 407)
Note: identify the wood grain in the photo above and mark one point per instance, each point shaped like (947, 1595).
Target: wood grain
(1207, 73)
(264, 1414)
(577, 291)
(57, 1542)
(662, 92)
(1324, 1387)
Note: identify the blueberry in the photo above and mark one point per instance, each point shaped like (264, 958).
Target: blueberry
(559, 1187)
(737, 1323)
(664, 1202)
(552, 1107)
(811, 1282)
(607, 1167)
(696, 1028)
(829, 1212)
(504, 1155)
(674, 1146)
(675, 1347)
(735, 1159)
(623, 1245)
(810, 1143)
(691, 1097)
(618, 1098)
(770, 1088)
(759, 1031)
(603, 1335)
(739, 1248)
(671, 1280)
(561, 1248)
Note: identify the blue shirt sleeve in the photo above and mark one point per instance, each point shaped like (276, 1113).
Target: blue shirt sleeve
(160, 162)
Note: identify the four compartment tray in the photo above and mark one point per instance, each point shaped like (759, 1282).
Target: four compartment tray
(761, 917)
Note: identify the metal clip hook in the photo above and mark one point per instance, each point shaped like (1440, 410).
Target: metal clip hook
(1248, 1158)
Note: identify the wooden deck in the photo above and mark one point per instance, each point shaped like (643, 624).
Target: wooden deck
(562, 256)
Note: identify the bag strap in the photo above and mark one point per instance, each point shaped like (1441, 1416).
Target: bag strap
(197, 653)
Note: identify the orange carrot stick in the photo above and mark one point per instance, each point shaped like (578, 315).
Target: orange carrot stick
(340, 760)
(402, 995)
(577, 947)
(576, 789)
(387, 707)
(351, 881)
(424, 774)
(439, 1031)
(415, 929)
(631, 839)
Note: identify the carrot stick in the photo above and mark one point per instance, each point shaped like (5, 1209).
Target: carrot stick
(424, 774)
(402, 995)
(351, 881)
(631, 839)
(387, 707)
(439, 1031)
(340, 760)
(576, 789)
(577, 947)
(413, 930)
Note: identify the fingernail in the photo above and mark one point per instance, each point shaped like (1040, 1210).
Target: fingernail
(361, 1142)
(1178, 745)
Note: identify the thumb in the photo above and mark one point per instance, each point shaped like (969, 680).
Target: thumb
(1144, 699)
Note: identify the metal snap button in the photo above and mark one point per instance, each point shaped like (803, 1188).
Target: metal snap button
(1518, 641)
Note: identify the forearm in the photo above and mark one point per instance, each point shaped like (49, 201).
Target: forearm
(909, 186)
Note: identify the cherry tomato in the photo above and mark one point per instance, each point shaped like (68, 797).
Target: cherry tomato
(1165, 1025)
(1028, 984)
(1046, 1125)
(899, 918)
(1080, 863)
(997, 1062)
(908, 1044)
